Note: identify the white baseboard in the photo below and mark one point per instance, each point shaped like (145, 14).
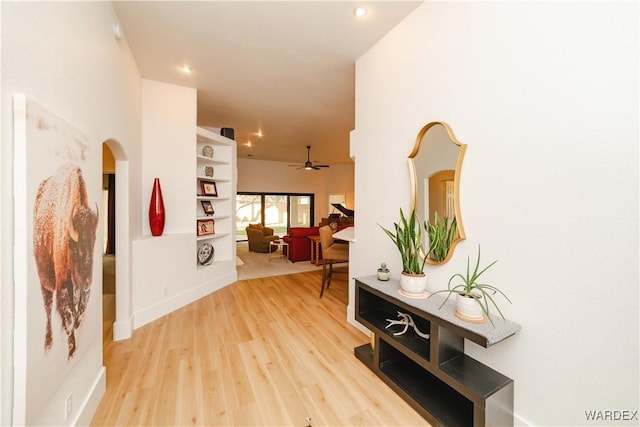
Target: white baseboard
(90, 404)
(122, 330)
(351, 319)
(151, 313)
(517, 421)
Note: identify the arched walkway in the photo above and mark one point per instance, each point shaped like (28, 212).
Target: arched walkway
(122, 325)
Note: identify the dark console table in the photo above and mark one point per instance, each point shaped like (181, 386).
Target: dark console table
(447, 387)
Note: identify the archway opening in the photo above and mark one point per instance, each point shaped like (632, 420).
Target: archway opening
(116, 293)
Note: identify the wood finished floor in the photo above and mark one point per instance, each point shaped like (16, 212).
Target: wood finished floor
(260, 352)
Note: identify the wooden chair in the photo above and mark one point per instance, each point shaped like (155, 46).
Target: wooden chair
(331, 252)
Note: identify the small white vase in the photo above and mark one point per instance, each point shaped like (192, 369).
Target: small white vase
(415, 284)
(383, 275)
(469, 308)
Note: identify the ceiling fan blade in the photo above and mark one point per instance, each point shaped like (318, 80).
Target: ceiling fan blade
(309, 164)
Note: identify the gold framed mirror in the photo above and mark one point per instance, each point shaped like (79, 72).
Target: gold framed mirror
(434, 167)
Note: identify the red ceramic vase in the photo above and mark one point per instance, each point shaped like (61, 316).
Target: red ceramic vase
(156, 209)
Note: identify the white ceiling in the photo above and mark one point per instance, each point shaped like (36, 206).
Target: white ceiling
(283, 68)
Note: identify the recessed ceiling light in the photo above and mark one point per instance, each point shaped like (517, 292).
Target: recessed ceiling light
(259, 134)
(248, 144)
(117, 31)
(360, 11)
(186, 69)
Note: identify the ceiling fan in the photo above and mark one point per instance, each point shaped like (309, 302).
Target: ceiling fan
(308, 165)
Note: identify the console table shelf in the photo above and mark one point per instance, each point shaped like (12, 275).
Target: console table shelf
(433, 374)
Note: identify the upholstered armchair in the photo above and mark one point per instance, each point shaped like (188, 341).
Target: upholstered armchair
(299, 243)
(260, 238)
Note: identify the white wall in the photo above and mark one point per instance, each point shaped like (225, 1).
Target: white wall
(278, 177)
(164, 272)
(64, 57)
(545, 94)
(169, 150)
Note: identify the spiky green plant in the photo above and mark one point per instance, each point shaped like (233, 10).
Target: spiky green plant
(408, 240)
(483, 292)
(441, 235)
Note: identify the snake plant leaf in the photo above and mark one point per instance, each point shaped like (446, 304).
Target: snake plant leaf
(407, 236)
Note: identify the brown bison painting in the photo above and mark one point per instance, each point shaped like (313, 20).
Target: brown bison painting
(64, 235)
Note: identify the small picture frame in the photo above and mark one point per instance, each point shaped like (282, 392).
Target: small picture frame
(208, 171)
(207, 207)
(208, 188)
(205, 227)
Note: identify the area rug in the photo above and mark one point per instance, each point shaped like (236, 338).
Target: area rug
(256, 265)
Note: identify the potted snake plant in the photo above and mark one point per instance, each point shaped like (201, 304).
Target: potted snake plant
(407, 236)
(441, 235)
(473, 299)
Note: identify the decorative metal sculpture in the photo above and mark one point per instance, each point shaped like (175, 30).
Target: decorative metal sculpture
(406, 320)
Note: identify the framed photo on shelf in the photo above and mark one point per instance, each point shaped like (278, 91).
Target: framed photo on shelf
(208, 188)
(205, 227)
(207, 207)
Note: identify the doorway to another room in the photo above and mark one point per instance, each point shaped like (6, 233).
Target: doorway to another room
(108, 242)
(279, 211)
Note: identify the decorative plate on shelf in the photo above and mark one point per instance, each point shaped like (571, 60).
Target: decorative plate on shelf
(207, 151)
(205, 254)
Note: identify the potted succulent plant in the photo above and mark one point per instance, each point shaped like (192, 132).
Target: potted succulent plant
(383, 272)
(472, 297)
(408, 240)
(441, 235)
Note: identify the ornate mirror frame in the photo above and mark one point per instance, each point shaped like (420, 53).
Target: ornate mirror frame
(420, 172)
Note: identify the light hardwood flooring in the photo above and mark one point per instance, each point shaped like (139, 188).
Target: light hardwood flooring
(260, 352)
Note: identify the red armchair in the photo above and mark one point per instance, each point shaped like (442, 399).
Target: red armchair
(299, 244)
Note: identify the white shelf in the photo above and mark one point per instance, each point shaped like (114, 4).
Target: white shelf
(223, 163)
(206, 159)
(212, 236)
(214, 264)
(212, 198)
(213, 178)
(214, 216)
(207, 136)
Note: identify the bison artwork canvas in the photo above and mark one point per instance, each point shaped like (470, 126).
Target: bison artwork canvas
(57, 265)
(64, 235)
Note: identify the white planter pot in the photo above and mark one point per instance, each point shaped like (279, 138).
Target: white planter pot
(414, 284)
(469, 308)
